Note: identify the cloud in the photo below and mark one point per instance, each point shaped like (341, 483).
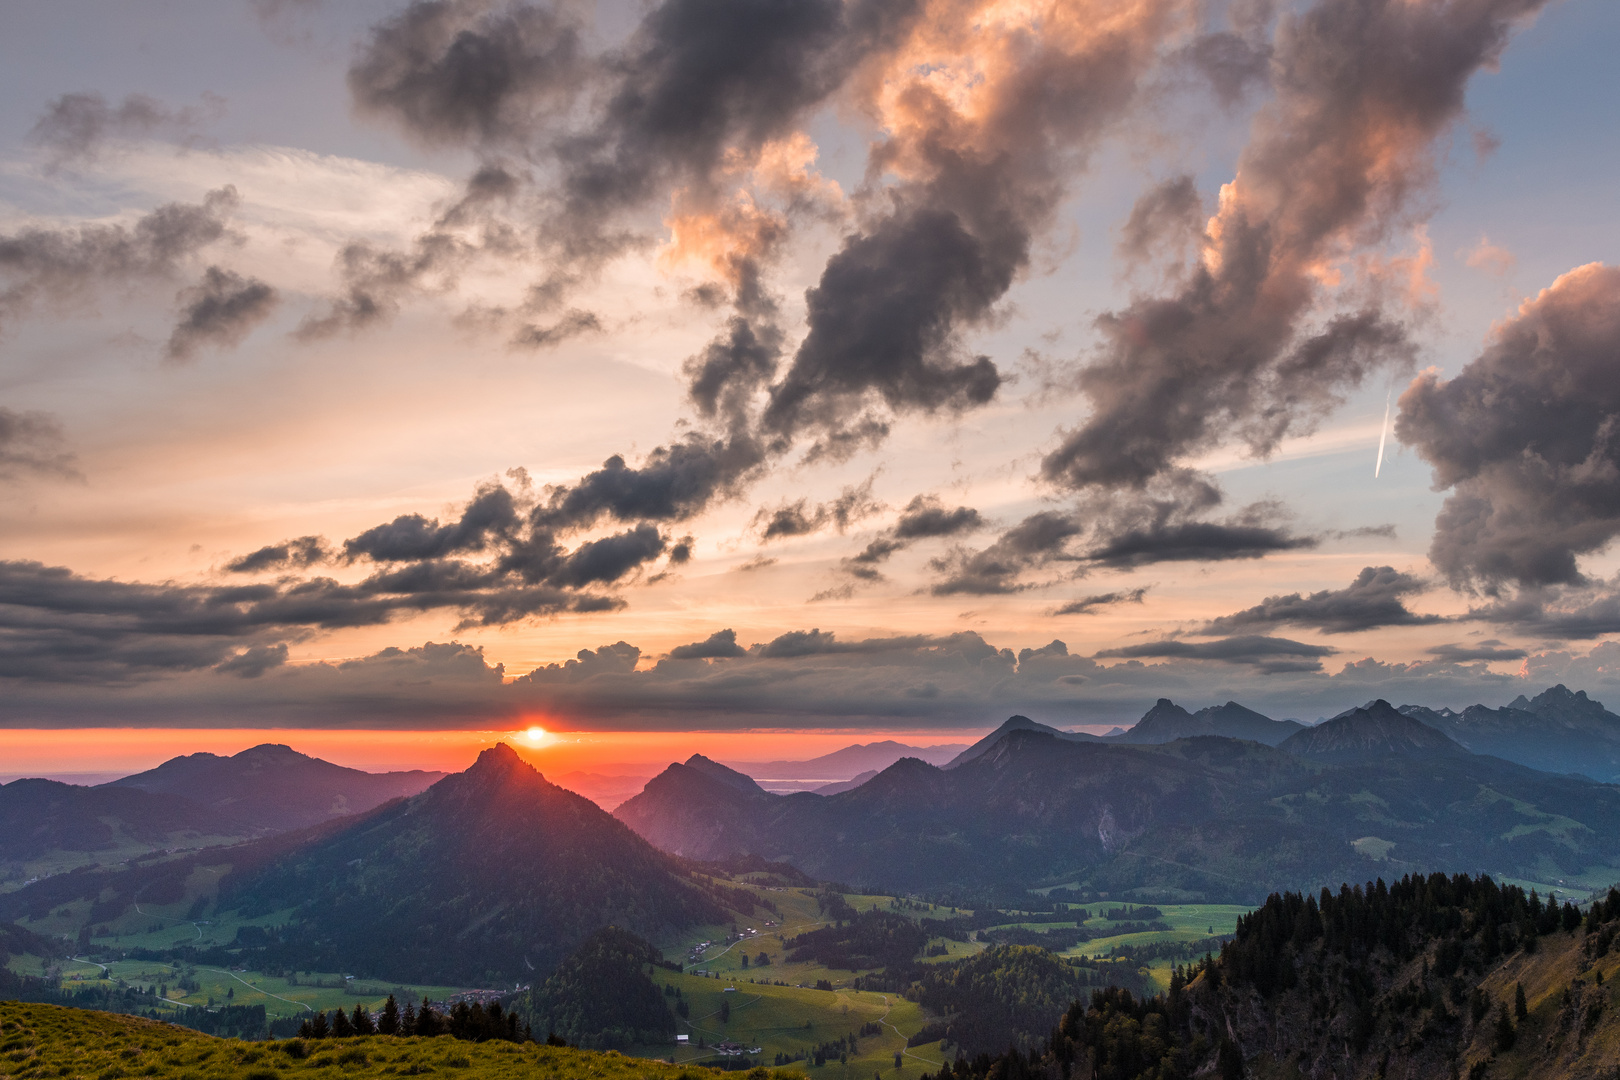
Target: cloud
(219, 310)
(797, 518)
(1491, 650)
(1167, 219)
(722, 644)
(1489, 258)
(1558, 613)
(573, 323)
(1266, 654)
(1363, 88)
(1374, 599)
(1194, 541)
(1527, 439)
(32, 444)
(299, 554)
(77, 127)
(254, 661)
(492, 513)
(674, 482)
(60, 266)
(1039, 539)
(1092, 605)
(926, 516)
(458, 73)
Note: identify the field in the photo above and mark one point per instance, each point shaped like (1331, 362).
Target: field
(46, 1040)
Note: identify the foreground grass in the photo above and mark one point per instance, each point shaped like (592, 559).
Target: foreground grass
(49, 1040)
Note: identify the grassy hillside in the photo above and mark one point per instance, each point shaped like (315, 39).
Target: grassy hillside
(48, 1040)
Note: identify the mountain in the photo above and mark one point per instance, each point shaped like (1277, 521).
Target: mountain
(1208, 817)
(1558, 730)
(846, 785)
(38, 817)
(1167, 722)
(600, 996)
(489, 876)
(849, 762)
(729, 777)
(1376, 730)
(1014, 723)
(274, 787)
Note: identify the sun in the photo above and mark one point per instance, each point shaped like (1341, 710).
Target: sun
(535, 735)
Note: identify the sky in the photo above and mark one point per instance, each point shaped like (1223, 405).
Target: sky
(818, 366)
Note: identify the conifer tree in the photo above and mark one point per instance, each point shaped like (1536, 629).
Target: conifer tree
(388, 1022)
(1520, 1011)
(318, 1028)
(407, 1020)
(363, 1024)
(341, 1028)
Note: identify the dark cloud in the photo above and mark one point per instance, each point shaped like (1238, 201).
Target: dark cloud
(252, 662)
(492, 513)
(1038, 539)
(32, 444)
(607, 560)
(1558, 613)
(219, 310)
(60, 266)
(462, 73)
(1363, 89)
(1527, 438)
(1194, 541)
(1484, 650)
(673, 483)
(798, 518)
(76, 127)
(1374, 599)
(377, 280)
(299, 554)
(721, 644)
(926, 516)
(1267, 654)
(1091, 605)
(1230, 62)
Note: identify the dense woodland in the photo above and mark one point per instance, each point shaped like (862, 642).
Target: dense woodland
(1380, 980)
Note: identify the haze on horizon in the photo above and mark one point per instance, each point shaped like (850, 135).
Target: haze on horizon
(827, 366)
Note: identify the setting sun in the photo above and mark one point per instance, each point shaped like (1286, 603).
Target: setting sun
(535, 735)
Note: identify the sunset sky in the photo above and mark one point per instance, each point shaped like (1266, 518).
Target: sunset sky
(837, 366)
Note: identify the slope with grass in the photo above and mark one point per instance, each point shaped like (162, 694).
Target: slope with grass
(48, 1040)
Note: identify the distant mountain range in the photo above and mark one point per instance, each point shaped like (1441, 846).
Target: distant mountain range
(1372, 792)
(191, 801)
(1558, 730)
(845, 764)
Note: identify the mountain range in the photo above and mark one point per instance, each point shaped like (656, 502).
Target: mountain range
(1368, 793)
(1558, 730)
(191, 801)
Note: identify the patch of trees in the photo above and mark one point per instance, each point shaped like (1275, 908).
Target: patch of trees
(868, 939)
(1365, 981)
(601, 997)
(472, 1023)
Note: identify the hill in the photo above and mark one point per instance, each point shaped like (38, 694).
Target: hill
(1011, 724)
(1427, 977)
(1205, 818)
(600, 998)
(41, 817)
(1374, 731)
(50, 1040)
(849, 762)
(490, 876)
(1558, 730)
(274, 787)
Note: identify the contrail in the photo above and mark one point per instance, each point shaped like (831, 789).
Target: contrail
(1383, 434)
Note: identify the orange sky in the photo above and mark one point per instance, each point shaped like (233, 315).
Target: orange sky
(41, 752)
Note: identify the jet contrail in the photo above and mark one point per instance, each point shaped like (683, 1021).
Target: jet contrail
(1383, 434)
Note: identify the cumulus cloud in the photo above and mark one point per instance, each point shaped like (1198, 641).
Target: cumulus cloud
(1363, 89)
(1374, 599)
(1527, 440)
(61, 266)
(76, 128)
(1040, 539)
(722, 644)
(32, 444)
(219, 310)
(299, 554)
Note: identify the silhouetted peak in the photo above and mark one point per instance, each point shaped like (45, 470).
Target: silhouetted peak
(1164, 703)
(729, 777)
(498, 763)
(271, 752)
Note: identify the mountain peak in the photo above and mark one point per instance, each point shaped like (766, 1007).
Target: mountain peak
(730, 777)
(499, 762)
(1376, 729)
